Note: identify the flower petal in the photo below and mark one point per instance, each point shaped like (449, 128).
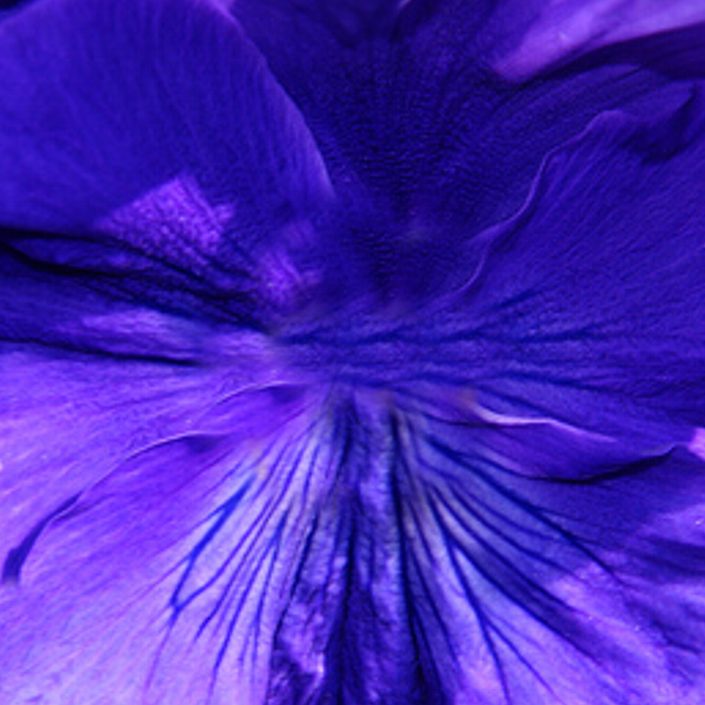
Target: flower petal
(593, 292)
(562, 30)
(455, 145)
(441, 556)
(112, 475)
(113, 134)
(531, 588)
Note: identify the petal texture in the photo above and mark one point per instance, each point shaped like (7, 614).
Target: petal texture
(561, 31)
(610, 243)
(436, 440)
(454, 145)
(112, 527)
(212, 167)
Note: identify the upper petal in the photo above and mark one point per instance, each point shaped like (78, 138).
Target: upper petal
(559, 31)
(426, 142)
(149, 131)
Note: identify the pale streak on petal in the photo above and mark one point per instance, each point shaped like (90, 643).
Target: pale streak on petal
(697, 443)
(282, 280)
(510, 420)
(565, 29)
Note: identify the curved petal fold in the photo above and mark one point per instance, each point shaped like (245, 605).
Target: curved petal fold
(456, 145)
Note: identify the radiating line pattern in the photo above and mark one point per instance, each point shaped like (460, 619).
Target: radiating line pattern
(352, 352)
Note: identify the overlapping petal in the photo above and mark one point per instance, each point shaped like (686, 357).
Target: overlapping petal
(147, 158)
(558, 32)
(573, 357)
(455, 145)
(150, 136)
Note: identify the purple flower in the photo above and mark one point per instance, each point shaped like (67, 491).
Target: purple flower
(352, 351)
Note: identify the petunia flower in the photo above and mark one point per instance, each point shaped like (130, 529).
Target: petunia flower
(352, 351)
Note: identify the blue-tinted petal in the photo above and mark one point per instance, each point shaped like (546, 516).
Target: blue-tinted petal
(359, 547)
(552, 533)
(119, 486)
(494, 134)
(288, 549)
(454, 146)
(142, 153)
(555, 33)
(535, 589)
(593, 293)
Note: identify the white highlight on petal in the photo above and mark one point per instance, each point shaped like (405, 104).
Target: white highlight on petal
(697, 443)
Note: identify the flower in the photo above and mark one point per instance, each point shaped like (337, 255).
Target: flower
(352, 352)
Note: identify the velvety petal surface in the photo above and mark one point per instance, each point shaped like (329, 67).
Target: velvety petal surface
(455, 146)
(596, 285)
(559, 31)
(152, 137)
(152, 176)
(543, 404)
